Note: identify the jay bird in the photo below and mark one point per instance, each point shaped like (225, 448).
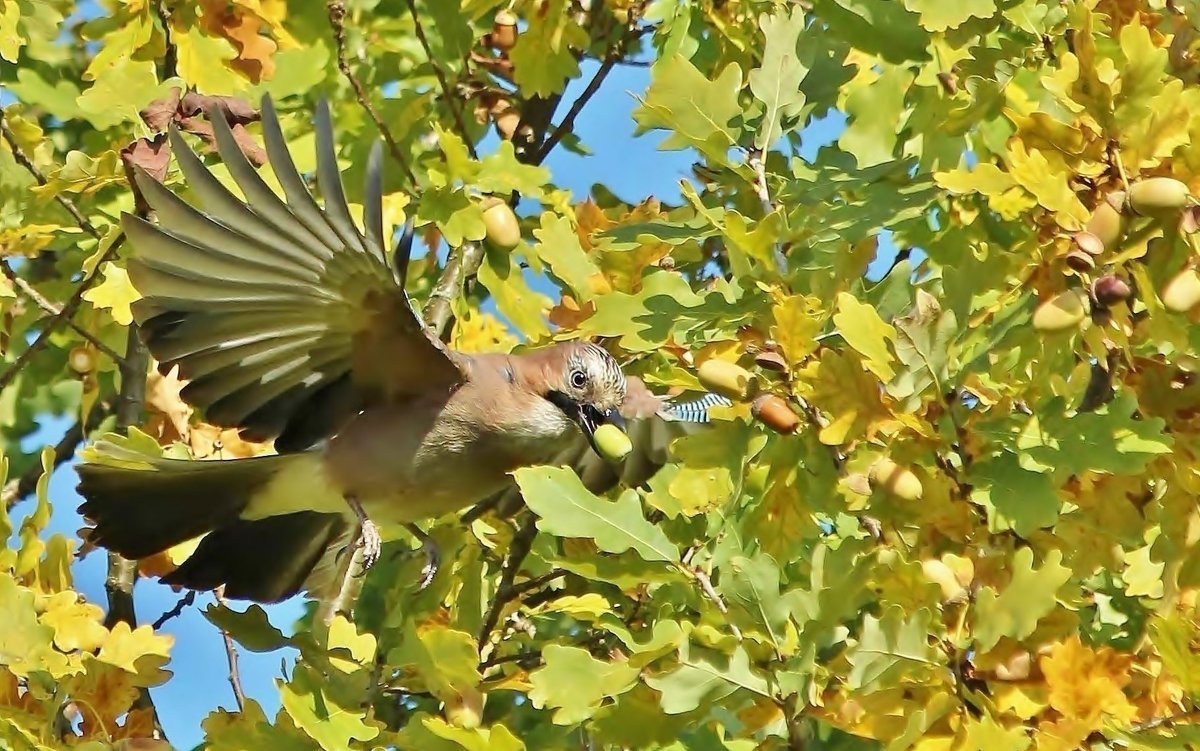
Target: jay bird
(290, 322)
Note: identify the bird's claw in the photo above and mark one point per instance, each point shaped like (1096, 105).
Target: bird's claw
(432, 561)
(371, 543)
(433, 556)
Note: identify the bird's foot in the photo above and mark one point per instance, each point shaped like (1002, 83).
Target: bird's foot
(371, 543)
(433, 556)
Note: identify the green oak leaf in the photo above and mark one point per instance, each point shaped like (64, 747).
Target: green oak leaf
(938, 15)
(1016, 498)
(882, 27)
(751, 584)
(867, 333)
(446, 660)
(698, 111)
(876, 112)
(559, 248)
(566, 508)
(544, 56)
(704, 676)
(1031, 595)
(501, 173)
(1106, 440)
(503, 276)
(251, 628)
(457, 216)
(314, 711)
(776, 83)
(892, 650)
(573, 683)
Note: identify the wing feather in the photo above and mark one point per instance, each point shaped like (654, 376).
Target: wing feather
(283, 315)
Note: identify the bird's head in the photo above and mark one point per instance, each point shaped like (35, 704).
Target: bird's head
(587, 385)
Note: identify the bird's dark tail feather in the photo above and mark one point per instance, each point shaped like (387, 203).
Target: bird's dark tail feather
(138, 512)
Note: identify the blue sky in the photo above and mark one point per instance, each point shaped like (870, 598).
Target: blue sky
(632, 167)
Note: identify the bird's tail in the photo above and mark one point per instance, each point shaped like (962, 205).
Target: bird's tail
(143, 505)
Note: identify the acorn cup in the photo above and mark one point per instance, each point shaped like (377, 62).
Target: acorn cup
(503, 36)
(1087, 243)
(728, 379)
(1158, 196)
(506, 118)
(1062, 312)
(503, 230)
(1081, 262)
(1110, 290)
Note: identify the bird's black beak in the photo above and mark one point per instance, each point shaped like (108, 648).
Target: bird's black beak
(586, 416)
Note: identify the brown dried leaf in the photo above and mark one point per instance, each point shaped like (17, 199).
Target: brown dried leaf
(568, 314)
(162, 397)
(152, 155)
(200, 127)
(161, 112)
(235, 109)
(240, 26)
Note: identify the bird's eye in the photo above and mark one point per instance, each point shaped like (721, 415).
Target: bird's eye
(578, 379)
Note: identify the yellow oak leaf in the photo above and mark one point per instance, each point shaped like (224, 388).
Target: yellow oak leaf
(797, 321)
(841, 387)
(76, 624)
(482, 332)
(1087, 684)
(863, 329)
(115, 294)
(139, 651)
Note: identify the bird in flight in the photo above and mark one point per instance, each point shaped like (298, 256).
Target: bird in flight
(291, 323)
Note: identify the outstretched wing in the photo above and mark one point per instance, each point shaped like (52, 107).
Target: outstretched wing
(283, 315)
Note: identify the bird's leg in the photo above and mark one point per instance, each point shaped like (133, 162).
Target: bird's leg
(368, 536)
(433, 556)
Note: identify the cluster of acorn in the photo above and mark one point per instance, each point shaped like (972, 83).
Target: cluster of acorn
(735, 382)
(502, 38)
(732, 381)
(1156, 198)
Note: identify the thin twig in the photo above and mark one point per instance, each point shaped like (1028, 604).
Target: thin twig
(350, 580)
(23, 160)
(231, 656)
(122, 572)
(170, 62)
(521, 543)
(568, 122)
(529, 585)
(1156, 722)
(791, 717)
(706, 586)
(451, 100)
(337, 21)
(54, 310)
(19, 488)
(68, 309)
(183, 602)
(462, 265)
(758, 163)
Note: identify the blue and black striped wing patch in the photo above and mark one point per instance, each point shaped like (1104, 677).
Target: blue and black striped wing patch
(695, 410)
